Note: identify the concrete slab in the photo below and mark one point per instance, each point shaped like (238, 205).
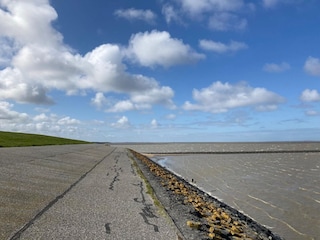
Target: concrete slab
(80, 192)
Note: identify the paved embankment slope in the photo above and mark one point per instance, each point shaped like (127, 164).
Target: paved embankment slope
(76, 192)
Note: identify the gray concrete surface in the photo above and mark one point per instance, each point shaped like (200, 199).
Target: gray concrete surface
(76, 192)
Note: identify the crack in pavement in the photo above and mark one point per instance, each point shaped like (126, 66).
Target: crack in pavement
(115, 179)
(116, 170)
(146, 210)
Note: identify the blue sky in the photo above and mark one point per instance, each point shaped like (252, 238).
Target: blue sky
(161, 71)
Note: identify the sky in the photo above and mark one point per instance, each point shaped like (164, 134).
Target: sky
(162, 70)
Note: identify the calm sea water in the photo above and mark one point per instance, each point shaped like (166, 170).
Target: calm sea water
(280, 190)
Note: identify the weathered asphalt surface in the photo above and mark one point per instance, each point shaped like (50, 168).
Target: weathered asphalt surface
(76, 192)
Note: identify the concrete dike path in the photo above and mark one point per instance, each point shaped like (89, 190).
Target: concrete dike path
(89, 191)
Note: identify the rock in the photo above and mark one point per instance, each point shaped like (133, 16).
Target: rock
(211, 235)
(194, 225)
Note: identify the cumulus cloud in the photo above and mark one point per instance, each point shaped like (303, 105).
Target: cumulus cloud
(154, 123)
(160, 95)
(52, 124)
(18, 18)
(68, 121)
(220, 15)
(220, 47)
(309, 95)
(144, 95)
(35, 61)
(221, 97)
(312, 66)
(156, 48)
(7, 114)
(136, 14)
(276, 68)
(122, 123)
(145, 100)
(13, 86)
(99, 100)
(7, 51)
(128, 105)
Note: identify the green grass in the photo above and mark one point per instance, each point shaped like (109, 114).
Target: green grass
(11, 139)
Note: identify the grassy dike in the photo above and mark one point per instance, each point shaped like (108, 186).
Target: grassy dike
(12, 139)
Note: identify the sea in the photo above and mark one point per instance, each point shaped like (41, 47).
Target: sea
(275, 183)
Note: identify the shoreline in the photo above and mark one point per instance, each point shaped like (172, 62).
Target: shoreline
(197, 214)
(153, 154)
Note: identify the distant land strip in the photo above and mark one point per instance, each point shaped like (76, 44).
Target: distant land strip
(236, 152)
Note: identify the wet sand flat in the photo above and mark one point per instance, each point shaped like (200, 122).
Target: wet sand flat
(280, 190)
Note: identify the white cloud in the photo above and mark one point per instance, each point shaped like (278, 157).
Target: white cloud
(220, 47)
(270, 3)
(122, 123)
(160, 95)
(7, 114)
(123, 106)
(144, 100)
(14, 86)
(35, 61)
(309, 95)
(166, 51)
(99, 100)
(312, 113)
(274, 3)
(224, 21)
(201, 6)
(41, 117)
(128, 105)
(7, 51)
(20, 17)
(171, 116)
(221, 97)
(170, 14)
(137, 14)
(68, 121)
(154, 123)
(220, 15)
(51, 124)
(312, 66)
(276, 68)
